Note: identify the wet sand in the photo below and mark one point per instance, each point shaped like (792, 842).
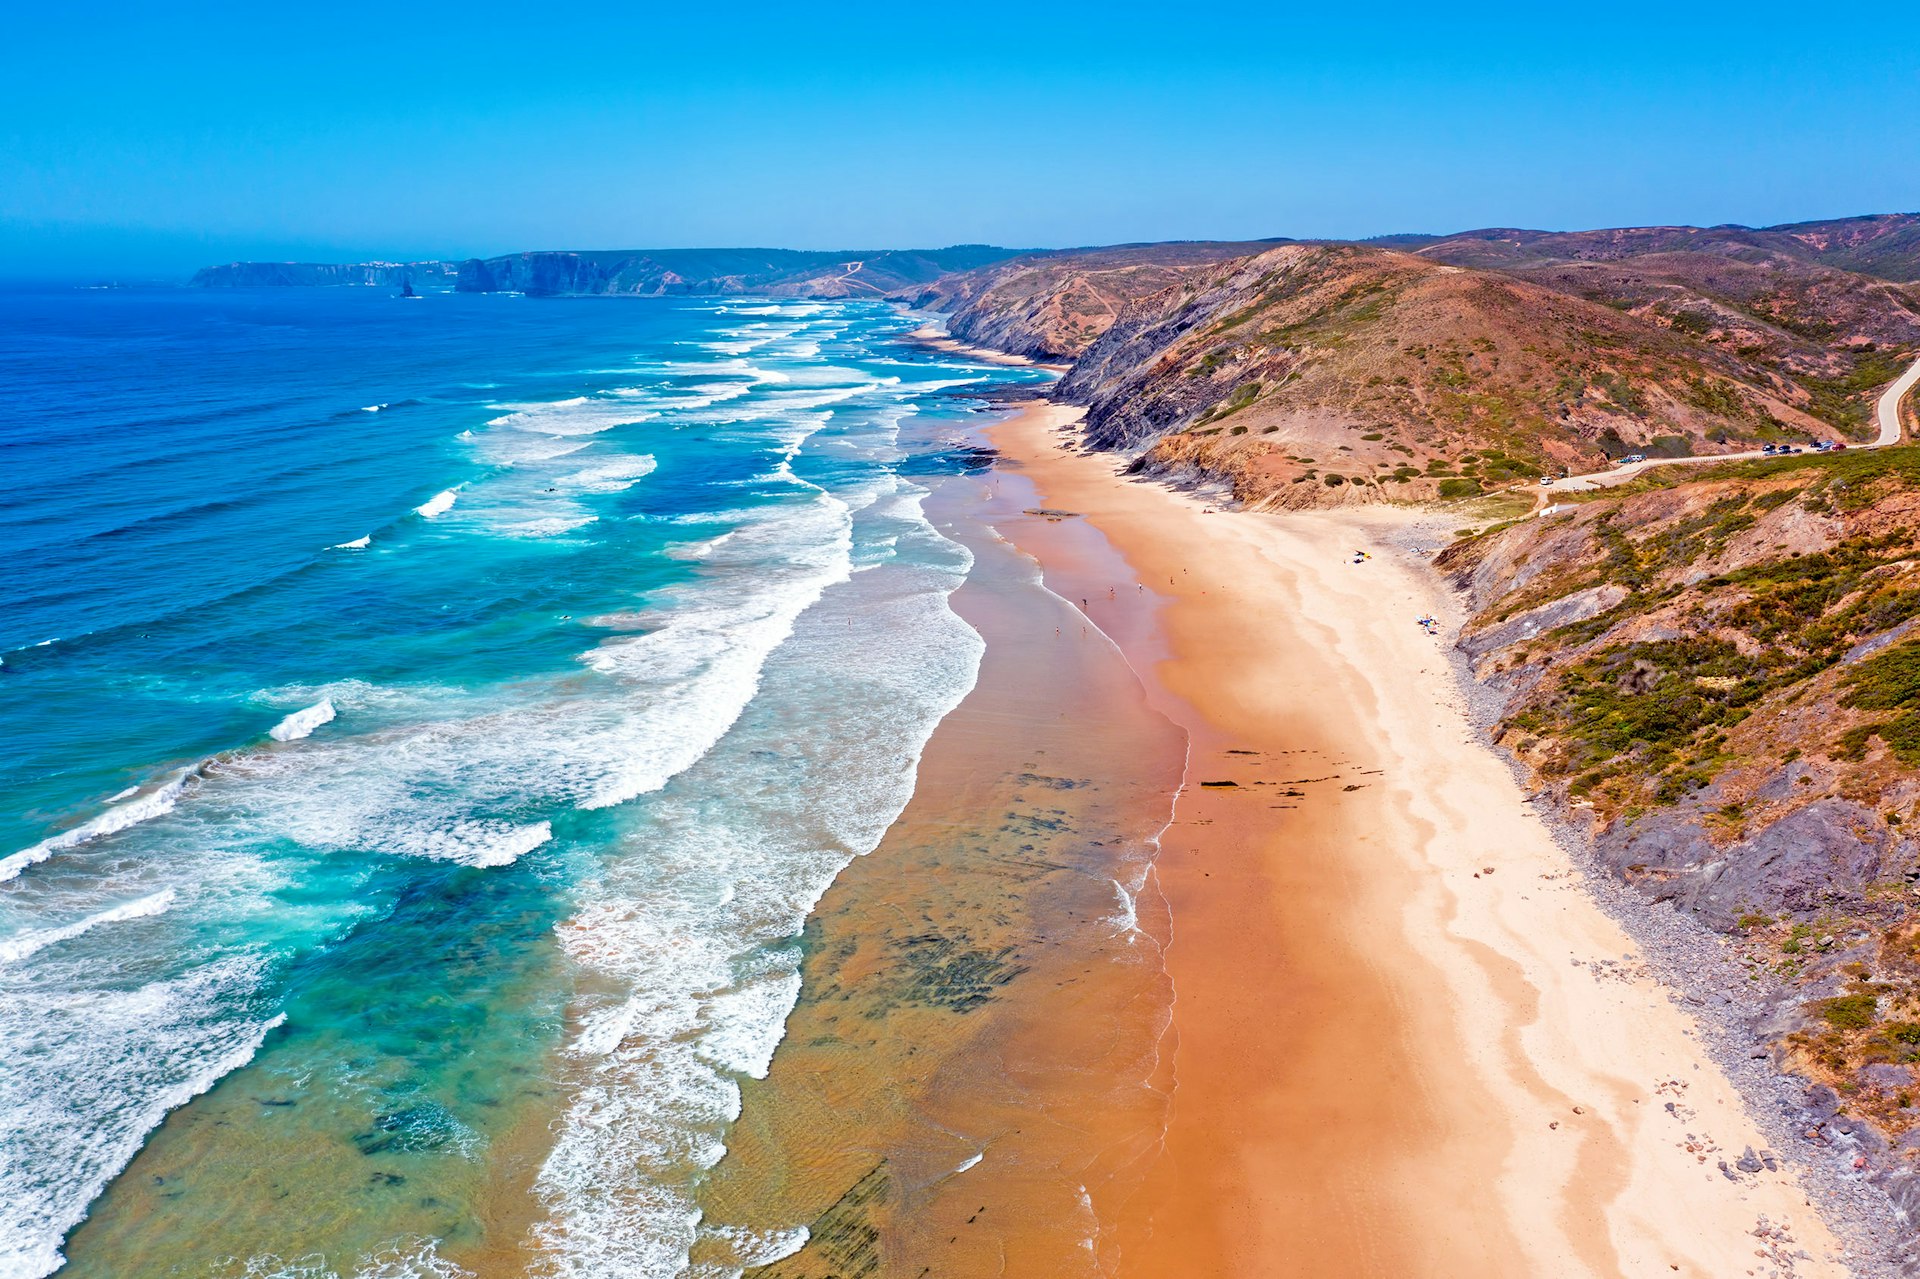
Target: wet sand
(973, 1081)
(1391, 1053)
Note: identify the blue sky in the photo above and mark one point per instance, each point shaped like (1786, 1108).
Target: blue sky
(146, 139)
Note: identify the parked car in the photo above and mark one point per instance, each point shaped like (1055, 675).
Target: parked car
(1633, 457)
(1838, 445)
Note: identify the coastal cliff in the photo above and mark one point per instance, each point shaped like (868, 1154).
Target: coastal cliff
(317, 274)
(768, 272)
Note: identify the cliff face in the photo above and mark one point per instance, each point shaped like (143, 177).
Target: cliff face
(389, 274)
(1720, 679)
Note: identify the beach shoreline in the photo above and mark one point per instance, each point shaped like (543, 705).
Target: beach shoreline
(934, 337)
(1464, 1063)
(970, 1081)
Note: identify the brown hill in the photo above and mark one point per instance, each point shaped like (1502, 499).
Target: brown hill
(1828, 331)
(1312, 373)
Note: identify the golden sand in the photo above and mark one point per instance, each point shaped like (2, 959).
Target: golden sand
(1385, 1062)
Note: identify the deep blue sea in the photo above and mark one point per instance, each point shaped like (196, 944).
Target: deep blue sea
(431, 721)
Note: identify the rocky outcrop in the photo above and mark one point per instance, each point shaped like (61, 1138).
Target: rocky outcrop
(1823, 857)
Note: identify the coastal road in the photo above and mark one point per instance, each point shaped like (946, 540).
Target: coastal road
(1886, 414)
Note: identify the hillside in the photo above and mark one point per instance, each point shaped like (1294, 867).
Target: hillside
(1886, 245)
(1052, 306)
(1720, 679)
(1316, 373)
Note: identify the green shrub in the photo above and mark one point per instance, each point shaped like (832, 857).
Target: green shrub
(1850, 1012)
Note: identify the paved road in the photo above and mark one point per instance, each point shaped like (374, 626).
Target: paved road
(1886, 413)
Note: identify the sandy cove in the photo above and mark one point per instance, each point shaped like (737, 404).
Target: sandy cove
(1407, 1041)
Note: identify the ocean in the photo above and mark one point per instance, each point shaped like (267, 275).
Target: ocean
(426, 726)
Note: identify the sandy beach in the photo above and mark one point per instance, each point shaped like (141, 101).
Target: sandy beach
(1405, 1041)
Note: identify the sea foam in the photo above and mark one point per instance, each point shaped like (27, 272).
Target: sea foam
(612, 476)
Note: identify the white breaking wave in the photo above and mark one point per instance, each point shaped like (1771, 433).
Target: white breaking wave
(514, 448)
(614, 475)
(302, 722)
(702, 931)
(547, 526)
(17, 948)
(439, 504)
(147, 805)
(373, 408)
(357, 544)
(581, 415)
(71, 1124)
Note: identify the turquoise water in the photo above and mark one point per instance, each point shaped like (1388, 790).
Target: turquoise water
(426, 723)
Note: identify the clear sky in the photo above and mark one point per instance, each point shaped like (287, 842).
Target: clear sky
(145, 139)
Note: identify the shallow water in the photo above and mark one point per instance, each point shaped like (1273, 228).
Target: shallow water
(428, 725)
